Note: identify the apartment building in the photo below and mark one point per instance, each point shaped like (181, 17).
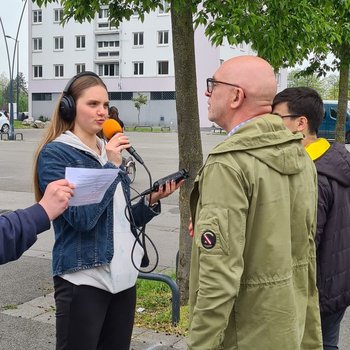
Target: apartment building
(135, 58)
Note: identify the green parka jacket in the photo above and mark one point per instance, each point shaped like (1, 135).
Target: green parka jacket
(253, 279)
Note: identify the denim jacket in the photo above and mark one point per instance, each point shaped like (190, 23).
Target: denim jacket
(84, 234)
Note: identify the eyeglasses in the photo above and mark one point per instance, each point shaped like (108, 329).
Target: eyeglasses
(211, 83)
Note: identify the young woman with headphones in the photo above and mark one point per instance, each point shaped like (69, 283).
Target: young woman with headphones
(94, 277)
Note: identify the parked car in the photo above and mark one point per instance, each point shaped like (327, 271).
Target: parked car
(4, 123)
(327, 128)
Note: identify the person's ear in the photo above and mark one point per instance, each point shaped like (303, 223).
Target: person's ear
(302, 123)
(237, 97)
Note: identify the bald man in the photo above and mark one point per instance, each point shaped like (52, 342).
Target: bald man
(253, 208)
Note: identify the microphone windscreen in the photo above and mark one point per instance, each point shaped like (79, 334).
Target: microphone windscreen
(110, 127)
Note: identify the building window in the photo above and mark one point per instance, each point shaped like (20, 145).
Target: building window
(164, 8)
(163, 37)
(163, 67)
(108, 54)
(278, 78)
(108, 70)
(138, 68)
(138, 39)
(163, 95)
(37, 16)
(59, 43)
(103, 25)
(58, 70)
(80, 41)
(37, 71)
(37, 44)
(112, 43)
(103, 13)
(58, 13)
(79, 68)
(41, 96)
(121, 96)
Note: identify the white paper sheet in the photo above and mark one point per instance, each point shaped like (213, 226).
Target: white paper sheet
(91, 184)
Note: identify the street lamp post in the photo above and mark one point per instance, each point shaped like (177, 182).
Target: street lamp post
(17, 77)
(11, 131)
(17, 90)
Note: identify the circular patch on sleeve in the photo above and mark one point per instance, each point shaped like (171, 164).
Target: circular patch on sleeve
(208, 239)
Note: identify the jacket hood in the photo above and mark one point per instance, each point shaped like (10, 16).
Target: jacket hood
(72, 140)
(335, 164)
(267, 139)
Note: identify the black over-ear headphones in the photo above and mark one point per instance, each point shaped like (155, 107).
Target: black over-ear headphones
(67, 103)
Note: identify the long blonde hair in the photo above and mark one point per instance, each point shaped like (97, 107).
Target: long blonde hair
(58, 125)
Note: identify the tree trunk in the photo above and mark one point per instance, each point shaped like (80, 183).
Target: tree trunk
(138, 116)
(343, 93)
(189, 140)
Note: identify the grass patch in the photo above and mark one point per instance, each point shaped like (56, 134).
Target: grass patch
(10, 307)
(153, 308)
(17, 124)
(156, 129)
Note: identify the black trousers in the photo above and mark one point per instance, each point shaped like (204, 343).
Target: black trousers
(88, 318)
(330, 329)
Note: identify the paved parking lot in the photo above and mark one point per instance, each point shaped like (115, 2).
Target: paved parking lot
(28, 281)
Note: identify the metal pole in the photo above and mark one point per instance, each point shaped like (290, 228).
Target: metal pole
(17, 47)
(17, 78)
(9, 63)
(11, 130)
(11, 68)
(17, 90)
(175, 314)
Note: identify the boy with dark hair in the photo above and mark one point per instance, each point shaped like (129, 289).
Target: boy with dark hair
(302, 110)
(302, 101)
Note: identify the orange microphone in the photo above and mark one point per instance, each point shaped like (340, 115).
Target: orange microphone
(111, 127)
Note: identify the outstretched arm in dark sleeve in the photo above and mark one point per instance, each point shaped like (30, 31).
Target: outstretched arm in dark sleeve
(19, 229)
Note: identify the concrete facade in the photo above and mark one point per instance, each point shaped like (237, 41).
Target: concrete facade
(136, 57)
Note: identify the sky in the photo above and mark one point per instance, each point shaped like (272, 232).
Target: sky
(10, 13)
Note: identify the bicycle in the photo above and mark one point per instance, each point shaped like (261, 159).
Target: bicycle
(130, 167)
